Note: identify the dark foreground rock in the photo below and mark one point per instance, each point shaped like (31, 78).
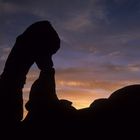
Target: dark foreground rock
(117, 117)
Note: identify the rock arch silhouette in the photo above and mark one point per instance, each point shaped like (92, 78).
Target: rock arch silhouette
(36, 44)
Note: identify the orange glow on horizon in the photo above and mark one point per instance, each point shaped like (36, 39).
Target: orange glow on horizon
(80, 92)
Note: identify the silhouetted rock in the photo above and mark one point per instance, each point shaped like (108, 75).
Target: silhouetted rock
(125, 104)
(45, 110)
(119, 114)
(36, 44)
(115, 117)
(50, 121)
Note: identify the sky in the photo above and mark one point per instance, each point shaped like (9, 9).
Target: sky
(100, 44)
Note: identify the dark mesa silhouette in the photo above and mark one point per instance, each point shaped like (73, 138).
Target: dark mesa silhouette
(36, 44)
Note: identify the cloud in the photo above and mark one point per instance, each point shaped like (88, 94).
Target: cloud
(8, 8)
(78, 23)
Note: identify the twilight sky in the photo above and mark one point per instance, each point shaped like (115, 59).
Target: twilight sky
(100, 43)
